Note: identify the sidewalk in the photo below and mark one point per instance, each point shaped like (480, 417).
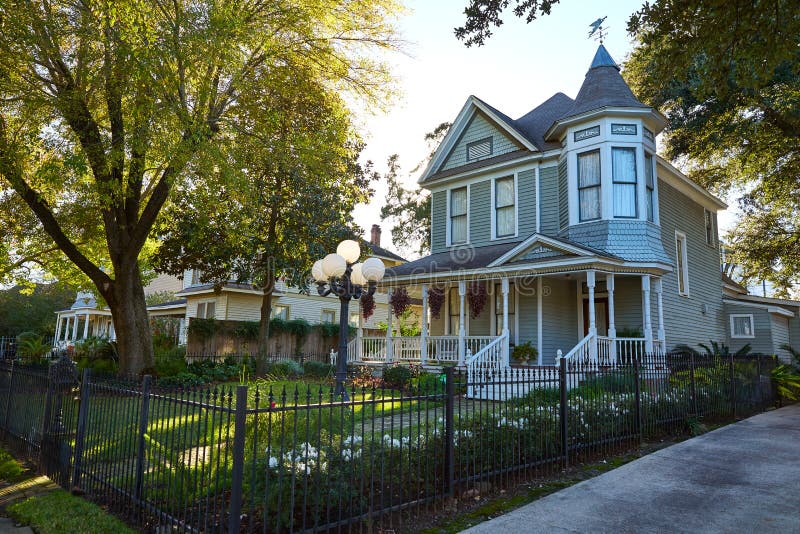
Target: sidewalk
(743, 477)
(31, 487)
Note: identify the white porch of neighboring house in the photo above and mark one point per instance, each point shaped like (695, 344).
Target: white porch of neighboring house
(564, 298)
(74, 325)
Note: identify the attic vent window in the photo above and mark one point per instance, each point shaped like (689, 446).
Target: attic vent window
(586, 133)
(623, 129)
(479, 149)
(648, 134)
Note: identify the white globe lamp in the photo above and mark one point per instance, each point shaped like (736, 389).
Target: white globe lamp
(349, 250)
(357, 276)
(317, 272)
(333, 266)
(373, 270)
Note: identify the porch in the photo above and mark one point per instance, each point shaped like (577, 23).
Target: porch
(74, 325)
(580, 315)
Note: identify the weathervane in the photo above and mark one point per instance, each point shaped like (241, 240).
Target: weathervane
(597, 27)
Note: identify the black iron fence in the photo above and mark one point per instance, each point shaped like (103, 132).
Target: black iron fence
(293, 458)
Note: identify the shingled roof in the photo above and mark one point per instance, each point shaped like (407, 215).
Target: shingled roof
(602, 87)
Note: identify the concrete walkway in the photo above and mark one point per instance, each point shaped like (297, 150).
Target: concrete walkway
(743, 477)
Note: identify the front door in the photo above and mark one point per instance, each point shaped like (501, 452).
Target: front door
(600, 315)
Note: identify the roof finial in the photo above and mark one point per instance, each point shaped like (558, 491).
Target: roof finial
(597, 27)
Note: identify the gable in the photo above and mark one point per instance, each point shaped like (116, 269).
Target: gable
(480, 128)
(540, 247)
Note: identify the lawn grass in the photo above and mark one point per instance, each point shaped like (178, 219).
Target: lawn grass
(10, 469)
(58, 512)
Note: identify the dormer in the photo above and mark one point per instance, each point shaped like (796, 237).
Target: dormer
(608, 150)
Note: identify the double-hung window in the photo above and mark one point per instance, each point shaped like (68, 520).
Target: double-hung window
(280, 311)
(742, 325)
(454, 310)
(650, 186)
(589, 185)
(206, 310)
(709, 219)
(681, 263)
(458, 215)
(623, 167)
(328, 316)
(504, 209)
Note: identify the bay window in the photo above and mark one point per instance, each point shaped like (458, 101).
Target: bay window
(458, 215)
(589, 185)
(505, 224)
(623, 168)
(650, 186)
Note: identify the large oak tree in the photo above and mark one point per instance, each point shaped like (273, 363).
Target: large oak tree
(106, 105)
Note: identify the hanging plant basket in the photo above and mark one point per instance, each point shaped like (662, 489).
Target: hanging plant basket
(367, 306)
(476, 293)
(435, 301)
(400, 301)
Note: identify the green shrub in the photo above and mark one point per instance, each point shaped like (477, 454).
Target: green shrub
(98, 366)
(525, 352)
(59, 511)
(9, 467)
(96, 348)
(23, 336)
(284, 369)
(397, 376)
(328, 330)
(610, 382)
(202, 328)
(247, 330)
(428, 383)
(171, 361)
(211, 371)
(182, 380)
(32, 349)
(313, 369)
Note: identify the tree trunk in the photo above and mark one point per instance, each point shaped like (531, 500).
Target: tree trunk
(266, 315)
(131, 323)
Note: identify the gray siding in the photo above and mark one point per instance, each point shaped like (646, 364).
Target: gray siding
(480, 211)
(762, 327)
(478, 128)
(526, 188)
(563, 195)
(438, 221)
(548, 186)
(794, 330)
(559, 318)
(684, 318)
(628, 304)
(527, 318)
(482, 324)
(780, 336)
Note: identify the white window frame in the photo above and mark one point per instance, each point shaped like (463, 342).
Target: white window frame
(708, 225)
(322, 315)
(288, 311)
(449, 222)
(635, 184)
(205, 303)
(494, 207)
(682, 263)
(734, 316)
(599, 186)
(647, 201)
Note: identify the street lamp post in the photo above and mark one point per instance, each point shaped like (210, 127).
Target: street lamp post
(339, 274)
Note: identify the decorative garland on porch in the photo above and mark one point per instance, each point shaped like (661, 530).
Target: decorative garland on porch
(367, 305)
(435, 301)
(476, 291)
(400, 301)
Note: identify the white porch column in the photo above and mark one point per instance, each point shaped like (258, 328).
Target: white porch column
(113, 334)
(612, 327)
(423, 338)
(539, 329)
(58, 330)
(590, 279)
(67, 327)
(462, 333)
(181, 330)
(648, 327)
(86, 327)
(75, 328)
(389, 334)
(506, 330)
(658, 287)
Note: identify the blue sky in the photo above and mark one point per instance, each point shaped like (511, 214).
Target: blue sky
(520, 66)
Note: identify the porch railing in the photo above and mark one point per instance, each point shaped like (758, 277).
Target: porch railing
(409, 349)
(582, 352)
(487, 363)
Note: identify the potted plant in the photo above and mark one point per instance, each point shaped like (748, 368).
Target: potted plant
(524, 353)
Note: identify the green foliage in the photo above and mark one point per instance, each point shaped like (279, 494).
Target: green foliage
(99, 366)
(630, 332)
(714, 349)
(32, 348)
(9, 467)
(22, 310)
(96, 348)
(397, 376)
(247, 330)
(428, 383)
(171, 361)
(363, 376)
(282, 369)
(312, 369)
(202, 328)
(183, 379)
(58, 511)
(483, 15)
(525, 352)
(787, 381)
(795, 354)
(328, 330)
(159, 297)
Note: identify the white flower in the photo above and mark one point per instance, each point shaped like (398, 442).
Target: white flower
(273, 462)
